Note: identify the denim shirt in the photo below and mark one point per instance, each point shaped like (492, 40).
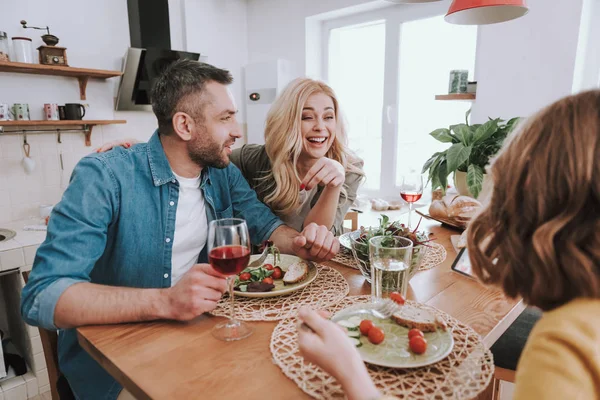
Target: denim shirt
(114, 226)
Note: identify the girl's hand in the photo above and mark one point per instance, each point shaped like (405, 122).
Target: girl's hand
(325, 172)
(327, 345)
(127, 143)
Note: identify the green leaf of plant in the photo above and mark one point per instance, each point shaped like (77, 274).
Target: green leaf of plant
(462, 133)
(443, 175)
(510, 125)
(457, 155)
(383, 221)
(433, 170)
(485, 131)
(429, 162)
(442, 135)
(435, 182)
(475, 179)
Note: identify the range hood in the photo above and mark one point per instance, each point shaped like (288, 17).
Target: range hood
(141, 67)
(150, 53)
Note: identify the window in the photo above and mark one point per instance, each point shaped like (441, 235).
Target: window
(357, 58)
(386, 67)
(425, 62)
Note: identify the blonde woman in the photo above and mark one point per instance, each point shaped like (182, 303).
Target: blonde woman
(305, 172)
(539, 239)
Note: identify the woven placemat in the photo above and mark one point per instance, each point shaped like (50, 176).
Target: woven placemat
(435, 254)
(345, 257)
(328, 288)
(465, 373)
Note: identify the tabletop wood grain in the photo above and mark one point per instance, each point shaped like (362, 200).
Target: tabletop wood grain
(174, 360)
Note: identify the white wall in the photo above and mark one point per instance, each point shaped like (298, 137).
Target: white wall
(522, 64)
(277, 29)
(527, 63)
(218, 29)
(96, 36)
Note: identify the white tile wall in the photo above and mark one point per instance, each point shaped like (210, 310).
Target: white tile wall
(22, 194)
(19, 253)
(31, 384)
(42, 378)
(14, 388)
(11, 259)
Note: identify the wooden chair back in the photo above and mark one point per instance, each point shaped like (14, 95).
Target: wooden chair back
(50, 345)
(353, 217)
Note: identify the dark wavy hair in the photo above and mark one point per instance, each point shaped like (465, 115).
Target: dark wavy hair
(539, 237)
(173, 90)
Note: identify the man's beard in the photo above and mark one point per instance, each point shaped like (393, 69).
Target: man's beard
(207, 153)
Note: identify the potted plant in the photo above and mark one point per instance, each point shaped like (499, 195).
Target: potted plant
(472, 148)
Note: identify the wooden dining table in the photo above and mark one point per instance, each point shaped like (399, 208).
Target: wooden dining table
(182, 360)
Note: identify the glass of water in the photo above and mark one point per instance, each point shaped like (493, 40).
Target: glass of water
(390, 258)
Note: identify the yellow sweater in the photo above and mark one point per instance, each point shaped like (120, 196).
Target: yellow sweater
(561, 359)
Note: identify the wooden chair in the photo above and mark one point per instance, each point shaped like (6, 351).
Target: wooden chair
(49, 341)
(353, 217)
(508, 348)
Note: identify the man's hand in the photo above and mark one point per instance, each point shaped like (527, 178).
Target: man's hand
(316, 243)
(198, 291)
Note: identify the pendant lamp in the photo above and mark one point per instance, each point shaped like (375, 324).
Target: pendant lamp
(410, 1)
(483, 12)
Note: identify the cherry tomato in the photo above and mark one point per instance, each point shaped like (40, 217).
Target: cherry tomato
(268, 267)
(376, 335)
(365, 326)
(277, 273)
(245, 276)
(268, 280)
(415, 332)
(418, 344)
(397, 297)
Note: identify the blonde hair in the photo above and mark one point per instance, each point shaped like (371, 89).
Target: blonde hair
(539, 238)
(283, 143)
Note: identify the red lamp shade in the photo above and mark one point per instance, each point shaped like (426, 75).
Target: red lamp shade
(411, 1)
(483, 12)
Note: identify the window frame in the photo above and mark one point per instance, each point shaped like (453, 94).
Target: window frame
(393, 17)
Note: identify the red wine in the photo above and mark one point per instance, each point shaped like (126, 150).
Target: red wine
(229, 260)
(411, 197)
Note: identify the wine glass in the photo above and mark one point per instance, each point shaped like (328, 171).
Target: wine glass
(411, 191)
(229, 253)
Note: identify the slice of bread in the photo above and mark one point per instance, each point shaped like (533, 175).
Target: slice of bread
(413, 317)
(295, 273)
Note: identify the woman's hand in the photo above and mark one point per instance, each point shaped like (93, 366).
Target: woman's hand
(327, 345)
(127, 143)
(325, 172)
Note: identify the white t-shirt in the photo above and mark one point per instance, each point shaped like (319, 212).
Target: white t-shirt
(191, 227)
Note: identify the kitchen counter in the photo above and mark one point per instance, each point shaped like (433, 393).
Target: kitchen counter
(19, 252)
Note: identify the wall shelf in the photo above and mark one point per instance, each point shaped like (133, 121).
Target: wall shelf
(84, 126)
(456, 96)
(82, 74)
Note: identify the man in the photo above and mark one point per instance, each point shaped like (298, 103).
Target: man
(127, 241)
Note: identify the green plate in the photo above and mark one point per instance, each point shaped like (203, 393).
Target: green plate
(280, 289)
(345, 241)
(393, 352)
